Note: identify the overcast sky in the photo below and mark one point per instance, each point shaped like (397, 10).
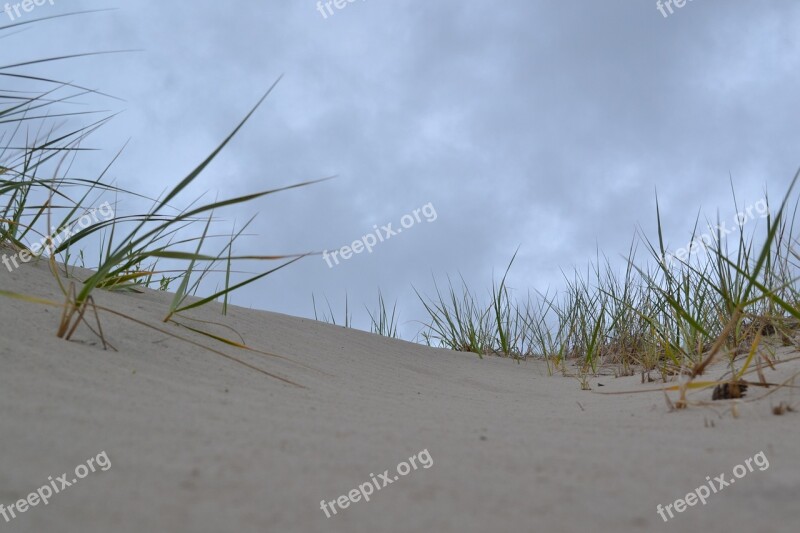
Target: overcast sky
(547, 125)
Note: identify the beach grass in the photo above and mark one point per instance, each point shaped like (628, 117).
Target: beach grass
(47, 213)
(672, 315)
(664, 314)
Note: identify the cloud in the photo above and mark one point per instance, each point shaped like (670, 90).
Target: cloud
(548, 125)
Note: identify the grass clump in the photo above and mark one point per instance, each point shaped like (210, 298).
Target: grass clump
(42, 204)
(673, 315)
(383, 322)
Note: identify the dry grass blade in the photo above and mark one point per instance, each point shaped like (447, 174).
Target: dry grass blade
(51, 303)
(243, 346)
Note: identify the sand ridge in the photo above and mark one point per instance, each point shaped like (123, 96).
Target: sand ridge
(198, 443)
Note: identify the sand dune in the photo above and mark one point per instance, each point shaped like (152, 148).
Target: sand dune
(200, 443)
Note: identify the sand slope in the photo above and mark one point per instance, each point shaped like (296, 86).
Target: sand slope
(198, 443)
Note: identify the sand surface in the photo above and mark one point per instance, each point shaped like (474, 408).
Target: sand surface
(199, 443)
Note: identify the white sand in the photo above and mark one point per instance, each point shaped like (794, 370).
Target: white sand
(198, 443)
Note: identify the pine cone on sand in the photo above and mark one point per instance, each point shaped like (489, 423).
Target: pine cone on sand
(729, 391)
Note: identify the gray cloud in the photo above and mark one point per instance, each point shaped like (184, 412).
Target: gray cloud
(548, 125)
